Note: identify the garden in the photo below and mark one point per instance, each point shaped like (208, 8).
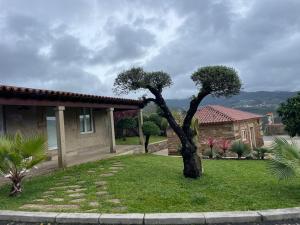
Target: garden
(136, 187)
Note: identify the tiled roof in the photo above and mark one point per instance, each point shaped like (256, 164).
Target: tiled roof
(211, 114)
(42, 94)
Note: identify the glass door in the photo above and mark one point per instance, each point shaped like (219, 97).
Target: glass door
(51, 129)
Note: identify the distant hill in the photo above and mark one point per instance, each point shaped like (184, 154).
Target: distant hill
(259, 102)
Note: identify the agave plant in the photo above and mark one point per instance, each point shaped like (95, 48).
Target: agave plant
(19, 154)
(285, 162)
(240, 148)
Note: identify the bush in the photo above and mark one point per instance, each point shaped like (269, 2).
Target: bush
(126, 123)
(261, 152)
(240, 148)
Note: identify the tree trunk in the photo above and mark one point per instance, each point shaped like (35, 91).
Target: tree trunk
(16, 187)
(146, 143)
(191, 162)
(124, 134)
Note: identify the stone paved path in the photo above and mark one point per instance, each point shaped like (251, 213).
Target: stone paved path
(88, 189)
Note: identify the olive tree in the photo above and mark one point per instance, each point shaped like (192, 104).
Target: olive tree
(211, 80)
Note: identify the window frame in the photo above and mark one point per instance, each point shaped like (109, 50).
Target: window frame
(244, 135)
(84, 121)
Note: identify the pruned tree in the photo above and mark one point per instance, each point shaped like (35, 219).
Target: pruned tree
(211, 80)
(149, 129)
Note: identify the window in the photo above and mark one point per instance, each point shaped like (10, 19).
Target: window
(86, 120)
(244, 135)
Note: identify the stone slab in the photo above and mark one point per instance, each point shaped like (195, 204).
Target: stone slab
(232, 217)
(174, 218)
(134, 218)
(280, 214)
(78, 218)
(49, 207)
(30, 217)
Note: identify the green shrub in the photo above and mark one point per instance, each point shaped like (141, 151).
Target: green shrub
(126, 123)
(149, 128)
(260, 153)
(240, 148)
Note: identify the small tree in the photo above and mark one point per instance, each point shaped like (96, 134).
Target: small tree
(149, 128)
(240, 148)
(126, 123)
(211, 80)
(290, 115)
(224, 145)
(18, 155)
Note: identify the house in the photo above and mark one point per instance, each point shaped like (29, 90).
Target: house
(78, 127)
(220, 122)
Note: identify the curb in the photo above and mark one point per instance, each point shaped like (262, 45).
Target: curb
(234, 217)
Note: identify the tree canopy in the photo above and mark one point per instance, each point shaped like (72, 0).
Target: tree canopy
(290, 115)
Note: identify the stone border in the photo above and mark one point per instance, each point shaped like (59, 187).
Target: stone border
(235, 217)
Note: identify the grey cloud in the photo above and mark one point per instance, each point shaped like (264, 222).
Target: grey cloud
(74, 44)
(128, 43)
(68, 49)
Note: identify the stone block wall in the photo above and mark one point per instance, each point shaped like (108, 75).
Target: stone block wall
(173, 142)
(158, 146)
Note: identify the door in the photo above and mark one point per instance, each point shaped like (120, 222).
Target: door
(51, 129)
(253, 139)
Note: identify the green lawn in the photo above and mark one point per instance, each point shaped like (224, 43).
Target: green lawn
(136, 140)
(150, 183)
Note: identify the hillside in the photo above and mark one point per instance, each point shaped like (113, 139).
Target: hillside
(259, 102)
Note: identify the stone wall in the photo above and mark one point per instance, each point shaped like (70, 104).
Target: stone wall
(173, 142)
(229, 131)
(158, 146)
(216, 131)
(275, 129)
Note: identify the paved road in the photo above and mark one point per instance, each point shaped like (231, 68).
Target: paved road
(269, 139)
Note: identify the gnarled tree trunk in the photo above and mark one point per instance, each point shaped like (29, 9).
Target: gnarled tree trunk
(192, 166)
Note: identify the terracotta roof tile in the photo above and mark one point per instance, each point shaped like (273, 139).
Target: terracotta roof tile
(219, 114)
(23, 92)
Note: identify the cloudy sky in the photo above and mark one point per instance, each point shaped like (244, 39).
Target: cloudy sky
(80, 45)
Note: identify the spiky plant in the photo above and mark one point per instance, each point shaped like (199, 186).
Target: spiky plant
(261, 152)
(240, 148)
(285, 162)
(19, 154)
(224, 145)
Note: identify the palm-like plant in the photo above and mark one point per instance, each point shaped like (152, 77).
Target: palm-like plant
(285, 162)
(19, 154)
(240, 148)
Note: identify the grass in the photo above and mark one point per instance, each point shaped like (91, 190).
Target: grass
(136, 140)
(150, 183)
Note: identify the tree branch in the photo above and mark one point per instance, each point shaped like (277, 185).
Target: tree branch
(192, 110)
(159, 100)
(146, 101)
